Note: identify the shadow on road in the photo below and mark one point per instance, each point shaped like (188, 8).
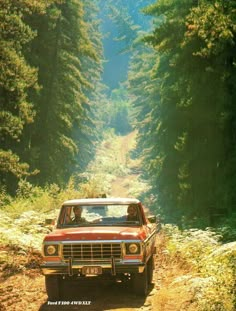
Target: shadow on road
(92, 294)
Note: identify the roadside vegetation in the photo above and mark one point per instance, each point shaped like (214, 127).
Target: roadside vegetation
(197, 265)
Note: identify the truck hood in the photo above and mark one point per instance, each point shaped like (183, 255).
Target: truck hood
(97, 233)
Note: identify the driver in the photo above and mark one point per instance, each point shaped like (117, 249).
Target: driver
(77, 218)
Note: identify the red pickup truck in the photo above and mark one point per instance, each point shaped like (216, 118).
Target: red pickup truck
(105, 237)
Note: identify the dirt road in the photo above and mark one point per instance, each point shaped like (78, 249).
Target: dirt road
(26, 292)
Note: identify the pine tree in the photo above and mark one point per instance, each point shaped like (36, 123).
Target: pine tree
(17, 77)
(191, 112)
(90, 132)
(60, 51)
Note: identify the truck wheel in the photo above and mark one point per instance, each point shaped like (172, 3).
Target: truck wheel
(140, 283)
(52, 283)
(150, 268)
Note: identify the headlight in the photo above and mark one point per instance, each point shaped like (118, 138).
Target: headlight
(51, 250)
(132, 248)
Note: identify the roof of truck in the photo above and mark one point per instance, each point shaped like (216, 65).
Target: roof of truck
(102, 201)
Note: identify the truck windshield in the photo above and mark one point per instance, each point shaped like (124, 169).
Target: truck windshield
(99, 215)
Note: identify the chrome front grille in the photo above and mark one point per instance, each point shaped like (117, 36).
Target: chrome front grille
(91, 251)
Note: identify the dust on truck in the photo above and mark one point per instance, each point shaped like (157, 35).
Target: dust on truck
(107, 238)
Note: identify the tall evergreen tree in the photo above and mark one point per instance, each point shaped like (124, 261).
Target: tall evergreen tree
(121, 27)
(88, 135)
(189, 144)
(16, 79)
(59, 51)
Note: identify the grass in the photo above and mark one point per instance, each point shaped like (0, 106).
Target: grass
(114, 170)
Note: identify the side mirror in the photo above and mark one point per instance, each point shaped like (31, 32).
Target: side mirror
(50, 222)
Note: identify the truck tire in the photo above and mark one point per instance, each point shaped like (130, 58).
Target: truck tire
(140, 283)
(52, 283)
(150, 268)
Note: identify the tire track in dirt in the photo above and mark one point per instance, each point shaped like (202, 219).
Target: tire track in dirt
(27, 292)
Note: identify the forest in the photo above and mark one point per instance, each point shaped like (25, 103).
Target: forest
(71, 70)
(125, 97)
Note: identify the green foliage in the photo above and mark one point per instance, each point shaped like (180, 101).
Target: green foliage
(126, 29)
(5, 198)
(212, 266)
(186, 124)
(117, 114)
(10, 163)
(66, 59)
(112, 169)
(50, 65)
(109, 162)
(120, 28)
(227, 229)
(214, 25)
(25, 231)
(17, 77)
(23, 218)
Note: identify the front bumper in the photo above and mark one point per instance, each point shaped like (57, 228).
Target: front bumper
(72, 268)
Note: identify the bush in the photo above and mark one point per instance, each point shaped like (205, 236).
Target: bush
(212, 266)
(227, 229)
